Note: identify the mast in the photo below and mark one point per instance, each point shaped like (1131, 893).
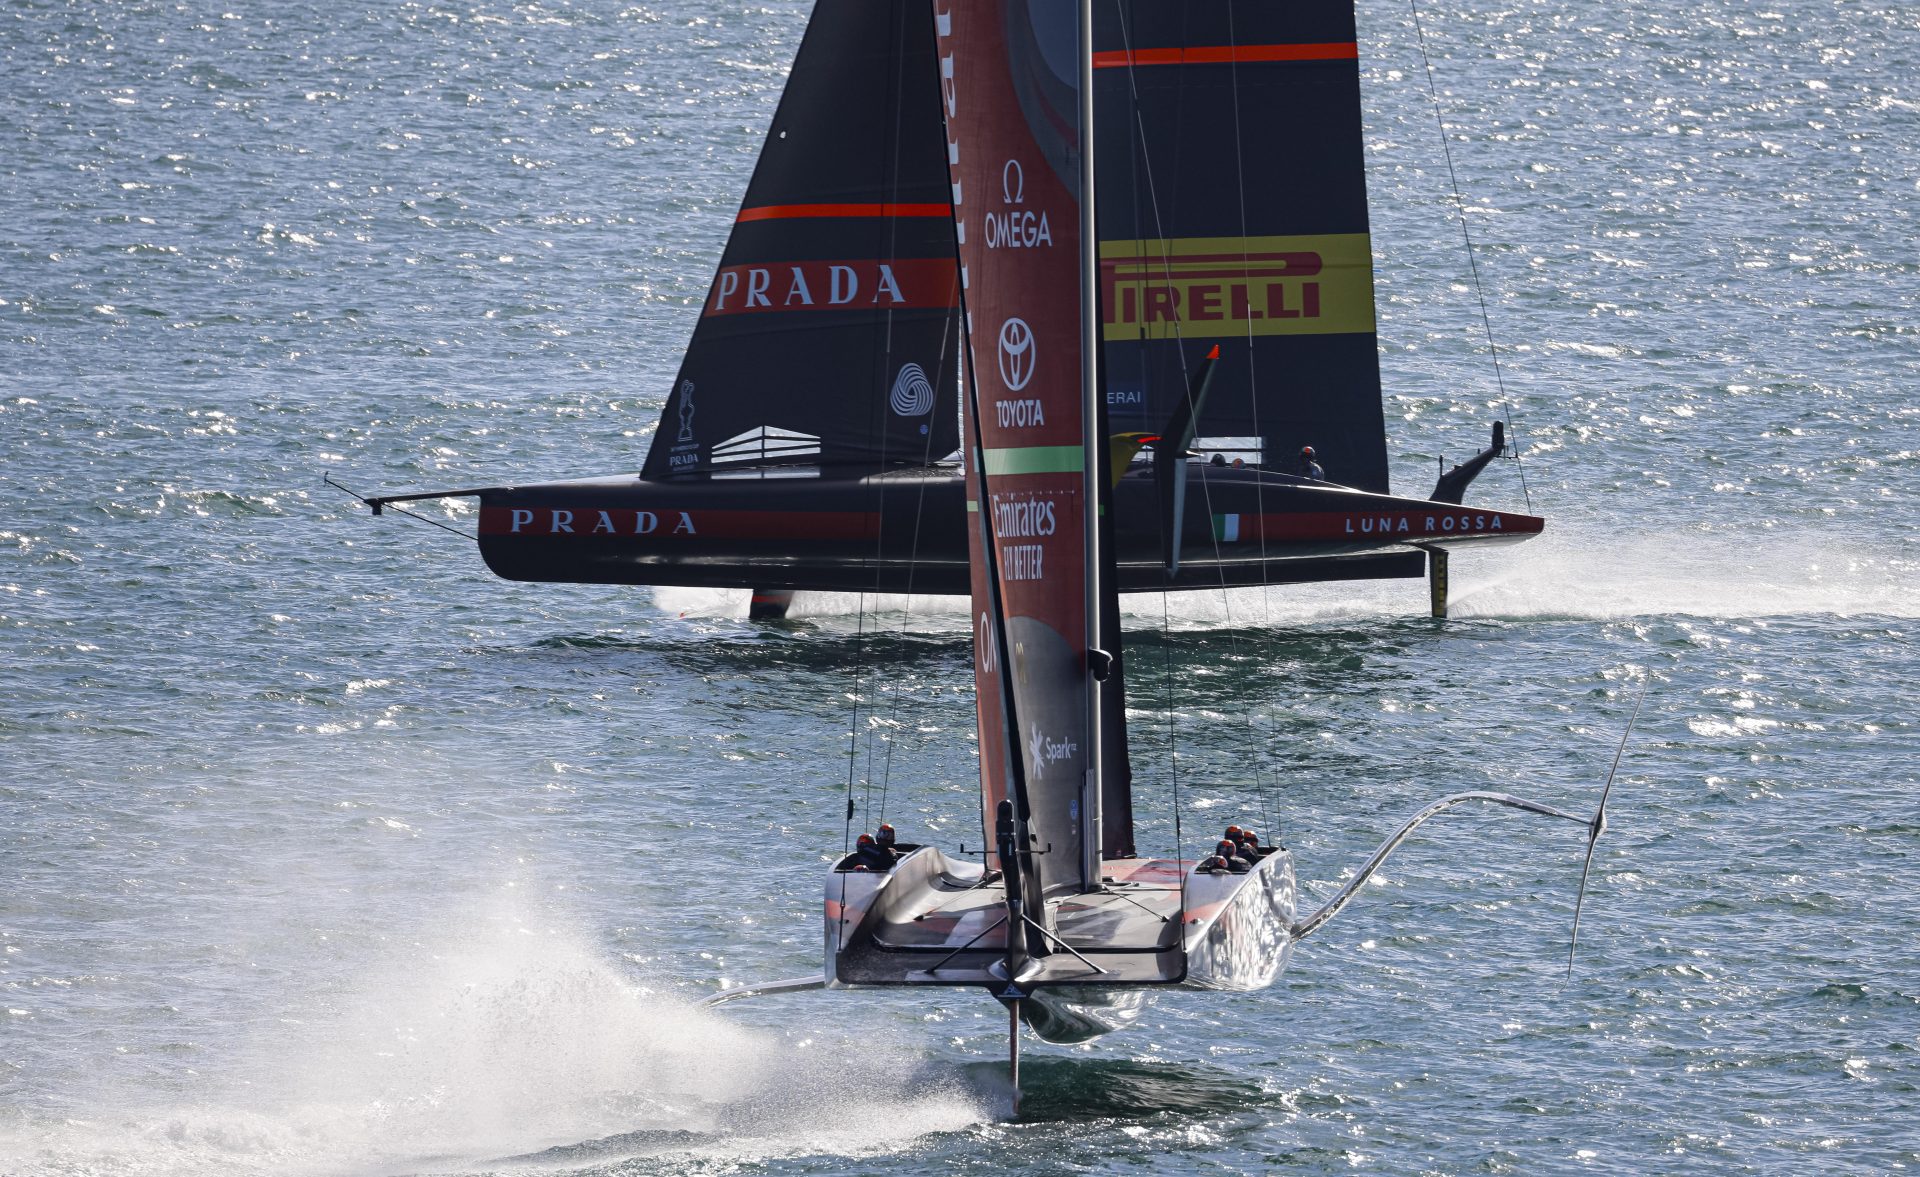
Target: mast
(1094, 449)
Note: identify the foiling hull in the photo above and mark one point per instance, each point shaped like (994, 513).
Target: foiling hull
(906, 531)
(1155, 924)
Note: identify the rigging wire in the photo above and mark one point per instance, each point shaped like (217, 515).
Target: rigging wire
(947, 339)
(906, 615)
(884, 356)
(879, 540)
(1144, 163)
(1173, 754)
(1473, 263)
(327, 477)
(1266, 644)
(1166, 261)
(853, 732)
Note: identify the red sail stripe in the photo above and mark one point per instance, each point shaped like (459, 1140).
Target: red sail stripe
(1135, 277)
(1227, 54)
(1160, 261)
(780, 212)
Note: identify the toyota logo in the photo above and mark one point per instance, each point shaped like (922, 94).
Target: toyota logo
(1016, 354)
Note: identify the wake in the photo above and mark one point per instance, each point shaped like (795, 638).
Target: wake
(507, 1046)
(1572, 572)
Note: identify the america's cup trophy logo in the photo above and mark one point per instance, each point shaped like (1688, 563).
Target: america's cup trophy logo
(684, 457)
(686, 411)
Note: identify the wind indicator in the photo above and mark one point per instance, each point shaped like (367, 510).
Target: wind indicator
(1598, 825)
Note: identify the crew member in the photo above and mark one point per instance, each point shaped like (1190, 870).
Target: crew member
(872, 855)
(1215, 865)
(884, 836)
(1306, 467)
(1231, 852)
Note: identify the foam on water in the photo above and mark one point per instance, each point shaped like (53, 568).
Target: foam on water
(254, 741)
(503, 1042)
(1570, 572)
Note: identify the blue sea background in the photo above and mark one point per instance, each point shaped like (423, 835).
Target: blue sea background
(322, 851)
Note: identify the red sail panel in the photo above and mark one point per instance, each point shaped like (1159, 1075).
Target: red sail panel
(1009, 71)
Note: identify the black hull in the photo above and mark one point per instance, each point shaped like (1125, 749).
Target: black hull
(905, 531)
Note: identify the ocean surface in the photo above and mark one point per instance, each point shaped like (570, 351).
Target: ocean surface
(322, 851)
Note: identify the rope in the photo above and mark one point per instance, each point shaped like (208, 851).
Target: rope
(1186, 378)
(327, 478)
(1473, 264)
(947, 339)
(1173, 762)
(1266, 646)
(1166, 620)
(853, 733)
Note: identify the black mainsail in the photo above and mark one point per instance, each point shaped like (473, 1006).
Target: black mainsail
(830, 334)
(1233, 207)
(1231, 213)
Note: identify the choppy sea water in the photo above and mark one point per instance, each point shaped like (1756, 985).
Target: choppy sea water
(322, 851)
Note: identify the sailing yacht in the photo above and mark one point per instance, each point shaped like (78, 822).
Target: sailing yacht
(811, 439)
(1064, 921)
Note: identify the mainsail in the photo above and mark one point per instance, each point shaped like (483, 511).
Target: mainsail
(830, 336)
(1011, 83)
(1233, 207)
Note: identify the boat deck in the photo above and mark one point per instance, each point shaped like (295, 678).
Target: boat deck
(941, 923)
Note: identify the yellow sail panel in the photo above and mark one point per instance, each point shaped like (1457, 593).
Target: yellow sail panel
(1229, 287)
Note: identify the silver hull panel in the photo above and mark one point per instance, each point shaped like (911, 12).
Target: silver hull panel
(1155, 923)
